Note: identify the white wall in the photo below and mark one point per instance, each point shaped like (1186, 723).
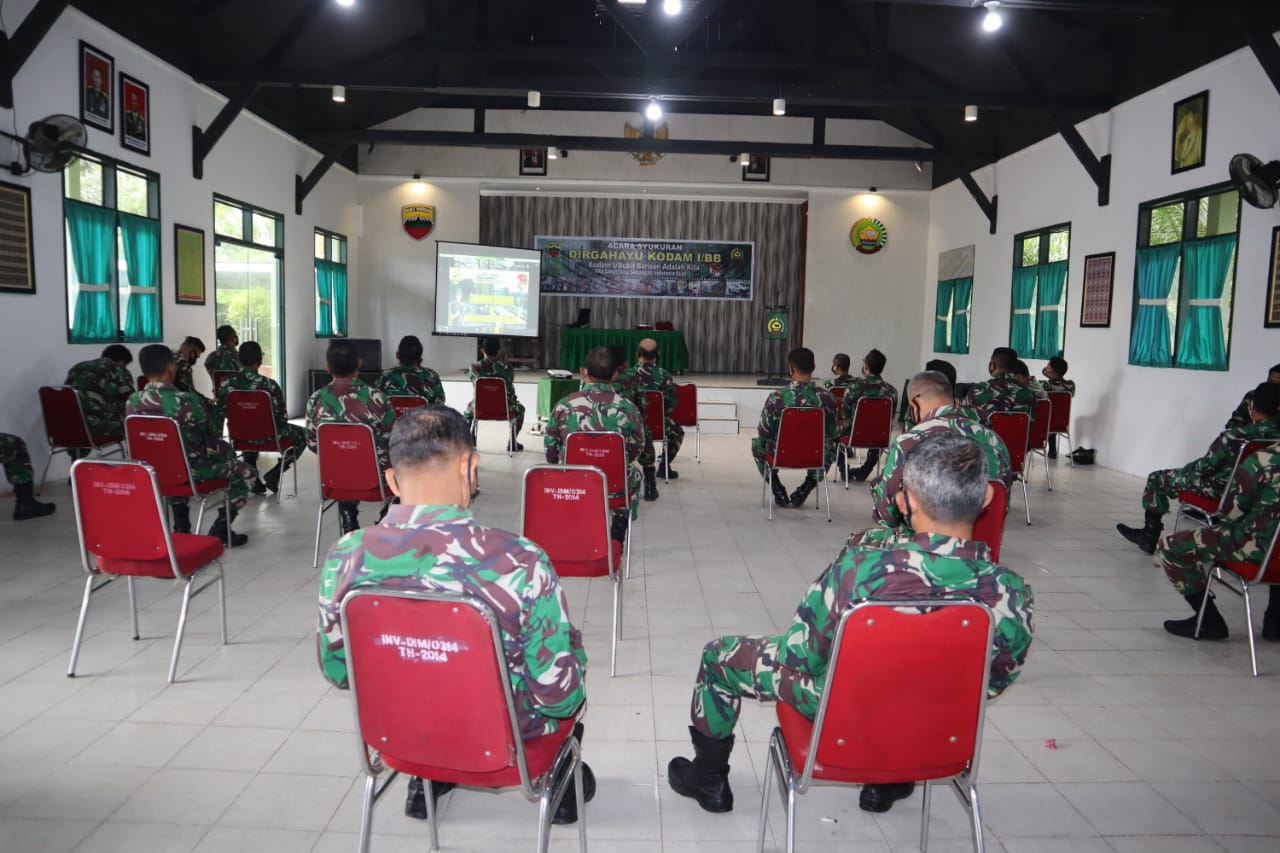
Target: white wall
(1139, 418)
(253, 162)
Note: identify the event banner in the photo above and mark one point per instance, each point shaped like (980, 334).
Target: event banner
(635, 267)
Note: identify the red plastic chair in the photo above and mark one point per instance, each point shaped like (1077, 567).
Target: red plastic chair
(1014, 429)
(922, 675)
(491, 405)
(1038, 435)
(251, 425)
(989, 528)
(664, 326)
(1207, 509)
(349, 470)
(220, 376)
(66, 428)
(608, 452)
(122, 532)
(404, 645)
(872, 429)
(157, 441)
(1060, 419)
(565, 510)
(800, 445)
(405, 402)
(655, 417)
(1246, 575)
(686, 414)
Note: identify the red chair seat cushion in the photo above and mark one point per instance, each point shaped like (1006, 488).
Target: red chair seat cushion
(1249, 571)
(369, 495)
(589, 568)
(192, 550)
(203, 487)
(1199, 501)
(539, 753)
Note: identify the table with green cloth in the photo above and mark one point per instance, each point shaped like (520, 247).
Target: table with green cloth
(552, 391)
(576, 343)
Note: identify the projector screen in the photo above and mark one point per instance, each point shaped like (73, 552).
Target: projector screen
(486, 290)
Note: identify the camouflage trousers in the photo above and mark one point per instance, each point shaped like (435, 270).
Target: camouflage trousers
(1163, 486)
(675, 438)
(100, 421)
(1188, 555)
(222, 462)
(759, 448)
(737, 668)
(288, 433)
(16, 460)
(515, 407)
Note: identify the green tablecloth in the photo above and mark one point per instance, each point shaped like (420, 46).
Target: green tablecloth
(576, 343)
(552, 391)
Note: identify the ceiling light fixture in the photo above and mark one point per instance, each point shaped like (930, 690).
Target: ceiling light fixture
(553, 153)
(971, 112)
(744, 158)
(535, 99)
(347, 3)
(992, 21)
(919, 167)
(339, 94)
(672, 7)
(779, 107)
(653, 112)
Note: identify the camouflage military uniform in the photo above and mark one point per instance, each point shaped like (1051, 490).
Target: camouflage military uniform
(222, 358)
(208, 455)
(864, 386)
(104, 388)
(630, 386)
(444, 549)
(353, 402)
(874, 564)
(492, 367)
(1036, 388)
(803, 395)
(1242, 534)
(598, 407)
(1056, 385)
(247, 379)
(1208, 474)
(655, 378)
(415, 381)
(15, 459)
(1000, 394)
(841, 381)
(184, 381)
(956, 419)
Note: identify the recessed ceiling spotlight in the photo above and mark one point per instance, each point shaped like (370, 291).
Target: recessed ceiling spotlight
(553, 153)
(347, 3)
(992, 20)
(339, 94)
(971, 112)
(779, 107)
(672, 7)
(653, 112)
(535, 99)
(919, 167)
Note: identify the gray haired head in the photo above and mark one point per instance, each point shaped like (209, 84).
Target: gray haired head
(426, 435)
(929, 383)
(946, 474)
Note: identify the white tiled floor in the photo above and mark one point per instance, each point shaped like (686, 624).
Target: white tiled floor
(1162, 745)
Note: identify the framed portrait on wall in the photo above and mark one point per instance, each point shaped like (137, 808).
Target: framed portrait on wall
(756, 168)
(135, 114)
(17, 252)
(188, 259)
(97, 73)
(1271, 319)
(1190, 132)
(1099, 280)
(533, 162)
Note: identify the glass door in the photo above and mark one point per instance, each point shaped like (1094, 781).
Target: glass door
(247, 295)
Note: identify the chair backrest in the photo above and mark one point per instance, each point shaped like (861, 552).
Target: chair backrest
(157, 441)
(64, 422)
(250, 417)
(220, 376)
(142, 382)
(404, 402)
(565, 510)
(604, 450)
(801, 438)
(664, 326)
(1060, 417)
(1013, 428)
(838, 391)
(491, 399)
(655, 414)
(686, 411)
(872, 422)
(922, 675)
(348, 460)
(989, 527)
(119, 512)
(1038, 438)
(403, 645)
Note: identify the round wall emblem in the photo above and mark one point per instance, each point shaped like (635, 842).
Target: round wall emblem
(868, 235)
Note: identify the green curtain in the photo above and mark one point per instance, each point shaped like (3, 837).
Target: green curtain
(1201, 345)
(324, 311)
(339, 299)
(1049, 308)
(92, 230)
(960, 314)
(941, 338)
(1149, 336)
(1024, 291)
(141, 239)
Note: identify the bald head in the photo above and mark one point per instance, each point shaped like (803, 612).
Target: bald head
(928, 391)
(647, 350)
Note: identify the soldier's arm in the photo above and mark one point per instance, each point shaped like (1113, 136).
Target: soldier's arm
(436, 394)
(277, 402)
(553, 438)
(1013, 630)
(334, 584)
(313, 411)
(886, 486)
(553, 654)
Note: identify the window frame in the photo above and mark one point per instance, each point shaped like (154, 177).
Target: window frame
(110, 201)
(1044, 234)
(329, 237)
(247, 210)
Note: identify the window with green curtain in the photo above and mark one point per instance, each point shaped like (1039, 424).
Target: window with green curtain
(942, 318)
(91, 232)
(1150, 338)
(1051, 287)
(324, 301)
(141, 240)
(960, 314)
(339, 299)
(1024, 294)
(331, 284)
(1207, 263)
(1038, 303)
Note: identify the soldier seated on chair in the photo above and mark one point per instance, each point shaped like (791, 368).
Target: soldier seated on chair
(869, 385)
(1240, 417)
(1000, 393)
(186, 356)
(225, 356)
(656, 378)
(104, 385)
(802, 393)
(409, 376)
(840, 375)
(1207, 475)
(1055, 373)
(492, 366)
(17, 468)
(944, 490)
(249, 379)
(631, 387)
(431, 541)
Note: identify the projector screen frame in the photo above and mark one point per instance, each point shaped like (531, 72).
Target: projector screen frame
(535, 282)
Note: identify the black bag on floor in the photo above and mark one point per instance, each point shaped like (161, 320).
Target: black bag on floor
(1083, 455)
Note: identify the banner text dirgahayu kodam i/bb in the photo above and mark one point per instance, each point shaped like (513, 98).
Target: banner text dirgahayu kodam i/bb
(635, 267)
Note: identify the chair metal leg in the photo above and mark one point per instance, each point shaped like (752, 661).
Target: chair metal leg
(925, 794)
(182, 627)
(844, 453)
(315, 560)
(366, 814)
(200, 515)
(1204, 602)
(697, 444)
(49, 460)
(617, 627)
(1071, 460)
(764, 800)
(791, 816)
(222, 603)
(626, 546)
(433, 816)
(1177, 519)
(826, 489)
(1248, 621)
(768, 476)
(226, 507)
(975, 815)
(84, 615)
(1048, 480)
(582, 803)
(133, 608)
(1025, 503)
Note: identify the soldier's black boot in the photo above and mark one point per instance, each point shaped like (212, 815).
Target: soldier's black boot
(650, 484)
(257, 486)
(219, 530)
(1271, 621)
(415, 805)
(567, 811)
(1147, 536)
(271, 479)
(618, 527)
(349, 516)
(801, 494)
(842, 467)
(880, 798)
(27, 506)
(780, 496)
(1053, 446)
(706, 777)
(181, 518)
(863, 471)
(665, 469)
(1214, 627)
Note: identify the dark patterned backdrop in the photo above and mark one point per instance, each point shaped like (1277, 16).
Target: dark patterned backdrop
(723, 337)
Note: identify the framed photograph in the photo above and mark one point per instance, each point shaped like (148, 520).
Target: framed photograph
(188, 259)
(533, 162)
(756, 168)
(97, 71)
(135, 114)
(1099, 279)
(1272, 317)
(17, 253)
(1190, 132)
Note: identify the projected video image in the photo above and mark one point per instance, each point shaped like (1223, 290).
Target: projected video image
(486, 291)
